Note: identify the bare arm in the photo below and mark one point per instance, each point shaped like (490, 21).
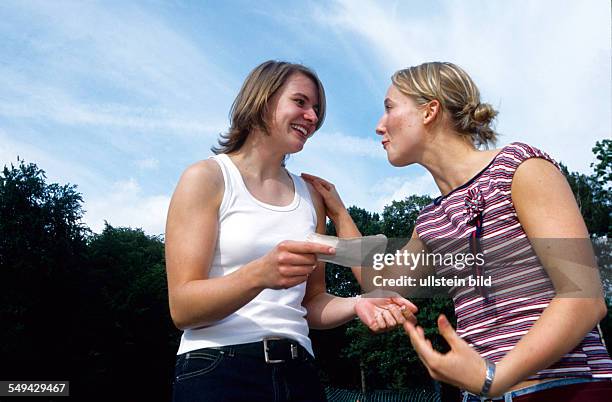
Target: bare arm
(328, 311)
(324, 310)
(191, 234)
(346, 228)
(548, 212)
(544, 214)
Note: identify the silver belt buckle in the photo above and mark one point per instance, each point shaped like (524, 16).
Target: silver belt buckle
(265, 348)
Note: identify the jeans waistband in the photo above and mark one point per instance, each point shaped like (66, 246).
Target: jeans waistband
(508, 396)
(270, 350)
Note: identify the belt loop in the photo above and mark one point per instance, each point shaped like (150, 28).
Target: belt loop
(294, 352)
(267, 350)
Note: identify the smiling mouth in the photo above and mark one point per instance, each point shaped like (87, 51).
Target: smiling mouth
(301, 130)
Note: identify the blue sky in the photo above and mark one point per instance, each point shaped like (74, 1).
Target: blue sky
(119, 97)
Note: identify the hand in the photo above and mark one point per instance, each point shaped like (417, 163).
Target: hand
(289, 263)
(381, 314)
(462, 366)
(333, 203)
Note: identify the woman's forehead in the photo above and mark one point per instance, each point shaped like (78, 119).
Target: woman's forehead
(298, 82)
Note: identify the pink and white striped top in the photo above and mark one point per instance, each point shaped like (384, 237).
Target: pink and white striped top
(521, 289)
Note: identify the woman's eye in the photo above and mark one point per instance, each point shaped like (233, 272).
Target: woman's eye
(300, 102)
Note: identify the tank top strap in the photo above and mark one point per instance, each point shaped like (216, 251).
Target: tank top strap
(230, 181)
(302, 190)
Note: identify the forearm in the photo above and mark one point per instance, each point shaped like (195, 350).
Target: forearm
(327, 311)
(563, 324)
(345, 227)
(202, 302)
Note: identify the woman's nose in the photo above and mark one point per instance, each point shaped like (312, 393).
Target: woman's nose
(311, 116)
(380, 127)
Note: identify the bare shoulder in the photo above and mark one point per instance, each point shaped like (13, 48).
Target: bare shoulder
(317, 200)
(544, 201)
(201, 182)
(537, 174)
(204, 171)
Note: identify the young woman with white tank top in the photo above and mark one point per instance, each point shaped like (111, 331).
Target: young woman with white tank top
(243, 283)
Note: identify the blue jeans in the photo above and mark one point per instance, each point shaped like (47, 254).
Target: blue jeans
(534, 389)
(213, 375)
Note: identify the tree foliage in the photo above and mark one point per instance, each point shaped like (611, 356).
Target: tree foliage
(89, 308)
(41, 247)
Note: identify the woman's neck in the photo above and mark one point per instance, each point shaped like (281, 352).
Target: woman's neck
(452, 160)
(257, 158)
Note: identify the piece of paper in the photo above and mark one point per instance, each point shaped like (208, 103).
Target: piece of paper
(350, 252)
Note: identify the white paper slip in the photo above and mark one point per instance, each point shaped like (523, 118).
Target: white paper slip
(350, 252)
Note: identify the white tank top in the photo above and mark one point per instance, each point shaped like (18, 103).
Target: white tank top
(249, 229)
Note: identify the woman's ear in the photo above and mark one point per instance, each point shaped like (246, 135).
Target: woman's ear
(431, 111)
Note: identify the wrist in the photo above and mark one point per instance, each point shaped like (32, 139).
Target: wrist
(251, 274)
(502, 381)
(486, 388)
(356, 300)
(345, 227)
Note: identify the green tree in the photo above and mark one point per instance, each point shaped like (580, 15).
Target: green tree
(603, 168)
(129, 305)
(42, 243)
(388, 360)
(400, 217)
(92, 309)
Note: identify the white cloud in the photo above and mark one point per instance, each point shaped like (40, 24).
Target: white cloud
(81, 63)
(57, 169)
(351, 146)
(399, 187)
(546, 64)
(126, 205)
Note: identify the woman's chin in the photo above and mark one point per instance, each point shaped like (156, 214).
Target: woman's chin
(395, 161)
(295, 148)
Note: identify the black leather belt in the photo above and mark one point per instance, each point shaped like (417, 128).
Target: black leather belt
(271, 350)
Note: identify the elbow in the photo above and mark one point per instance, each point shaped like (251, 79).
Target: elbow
(178, 321)
(179, 316)
(184, 320)
(602, 309)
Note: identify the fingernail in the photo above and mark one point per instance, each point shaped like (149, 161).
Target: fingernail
(332, 250)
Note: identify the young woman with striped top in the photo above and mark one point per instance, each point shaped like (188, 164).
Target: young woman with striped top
(531, 335)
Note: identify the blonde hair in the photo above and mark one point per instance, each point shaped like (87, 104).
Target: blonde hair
(250, 107)
(458, 95)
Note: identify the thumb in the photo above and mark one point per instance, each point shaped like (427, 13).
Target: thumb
(448, 332)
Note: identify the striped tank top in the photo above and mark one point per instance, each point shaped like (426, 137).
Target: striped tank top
(493, 319)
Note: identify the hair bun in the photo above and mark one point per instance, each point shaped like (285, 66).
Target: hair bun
(484, 113)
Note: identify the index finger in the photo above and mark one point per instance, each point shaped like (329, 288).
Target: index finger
(316, 179)
(310, 176)
(424, 349)
(305, 247)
